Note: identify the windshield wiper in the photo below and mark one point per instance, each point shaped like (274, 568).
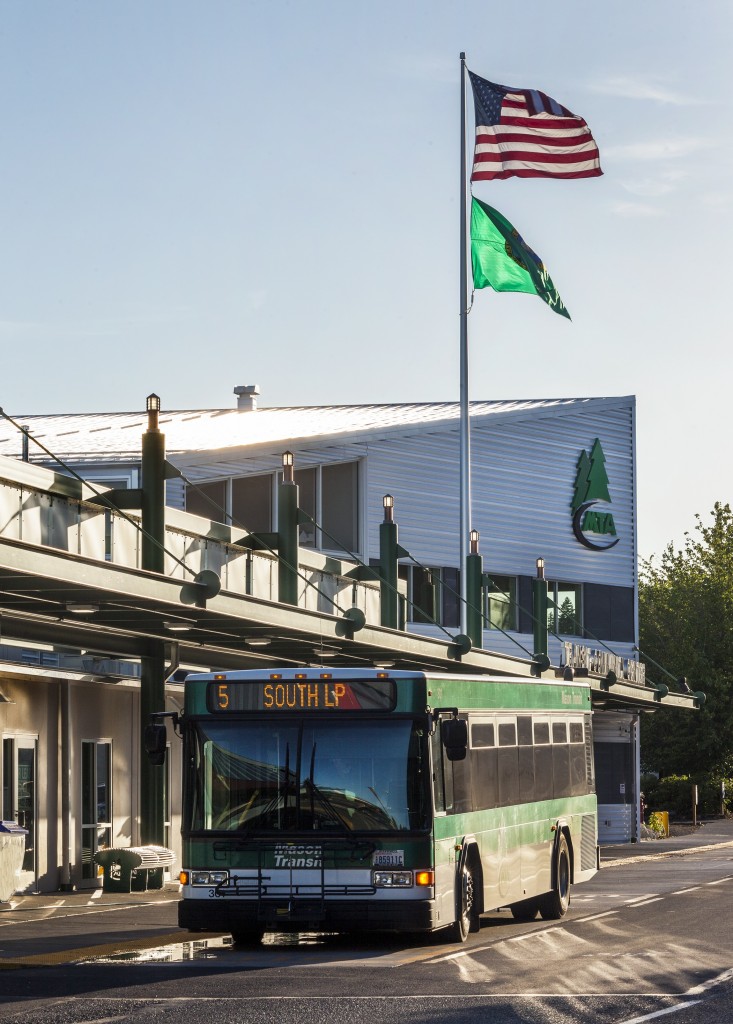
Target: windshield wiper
(314, 790)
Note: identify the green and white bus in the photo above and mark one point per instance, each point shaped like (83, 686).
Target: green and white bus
(356, 800)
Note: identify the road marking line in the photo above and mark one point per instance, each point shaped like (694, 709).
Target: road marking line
(720, 880)
(693, 888)
(660, 1013)
(595, 917)
(645, 903)
(699, 989)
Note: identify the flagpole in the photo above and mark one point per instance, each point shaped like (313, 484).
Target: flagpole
(465, 433)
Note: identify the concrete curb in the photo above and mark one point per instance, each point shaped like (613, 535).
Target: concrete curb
(685, 852)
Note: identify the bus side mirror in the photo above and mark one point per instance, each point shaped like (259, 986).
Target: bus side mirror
(454, 734)
(155, 742)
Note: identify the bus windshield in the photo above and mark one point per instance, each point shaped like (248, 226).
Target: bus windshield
(303, 774)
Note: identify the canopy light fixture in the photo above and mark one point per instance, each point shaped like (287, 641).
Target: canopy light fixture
(258, 641)
(81, 608)
(383, 664)
(179, 625)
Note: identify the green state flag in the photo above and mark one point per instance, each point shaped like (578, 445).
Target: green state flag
(502, 260)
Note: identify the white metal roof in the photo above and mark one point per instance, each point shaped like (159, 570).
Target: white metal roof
(89, 436)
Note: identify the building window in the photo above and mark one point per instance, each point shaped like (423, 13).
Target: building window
(252, 503)
(208, 501)
(96, 802)
(167, 797)
(340, 506)
(329, 495)
(424, 593)
(565, 611)
(500, 609)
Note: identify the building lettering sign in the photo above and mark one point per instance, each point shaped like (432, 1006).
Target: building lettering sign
(593, 523)
(601, 662)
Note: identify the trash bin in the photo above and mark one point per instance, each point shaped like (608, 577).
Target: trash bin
(12, 851)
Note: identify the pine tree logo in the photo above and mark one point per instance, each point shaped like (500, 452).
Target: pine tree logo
(590, 524)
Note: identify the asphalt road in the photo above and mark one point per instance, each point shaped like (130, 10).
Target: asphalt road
(647, 940)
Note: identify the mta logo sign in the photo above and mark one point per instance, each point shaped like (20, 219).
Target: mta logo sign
(593, 523)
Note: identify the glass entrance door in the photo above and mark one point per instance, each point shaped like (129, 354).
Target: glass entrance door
(20, 799)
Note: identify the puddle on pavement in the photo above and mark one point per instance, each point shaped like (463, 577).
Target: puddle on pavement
(209, 949)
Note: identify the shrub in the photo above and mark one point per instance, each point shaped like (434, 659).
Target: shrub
(674, 794)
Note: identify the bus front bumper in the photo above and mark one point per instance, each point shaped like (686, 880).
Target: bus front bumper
(309, 915)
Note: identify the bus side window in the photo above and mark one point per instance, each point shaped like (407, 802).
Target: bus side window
(526, 759)
(542, 761)
(462, 796)
(578, 782)
(508, 764)
(442, 779)
(560, 760)
(483, 765)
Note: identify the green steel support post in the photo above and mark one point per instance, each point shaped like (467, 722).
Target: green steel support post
(474, 594)
(539, 609)
(388, 554)
(152, 699)
(287, 545)
(152, 667)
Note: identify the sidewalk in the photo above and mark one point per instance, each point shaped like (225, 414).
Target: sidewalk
(685, 838)
(67, 927)
(63, 927)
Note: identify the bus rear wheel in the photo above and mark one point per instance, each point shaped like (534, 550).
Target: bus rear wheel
(525, 910)
(554, 905)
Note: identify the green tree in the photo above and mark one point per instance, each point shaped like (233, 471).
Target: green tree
(686, 624)
(581, 480)
(597, 476)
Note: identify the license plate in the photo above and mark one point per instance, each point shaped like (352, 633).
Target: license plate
(388, 858)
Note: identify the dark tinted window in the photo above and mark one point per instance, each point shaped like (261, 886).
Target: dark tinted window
(542, 732)
(507, 734)
(559, 732)
(482, 734)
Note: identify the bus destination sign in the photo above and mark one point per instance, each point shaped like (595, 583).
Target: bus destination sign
(301, 695)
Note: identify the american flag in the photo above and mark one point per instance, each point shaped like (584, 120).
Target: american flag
(525, 134)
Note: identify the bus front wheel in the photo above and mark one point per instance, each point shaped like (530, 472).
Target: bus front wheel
(466, 916)
(554, 904)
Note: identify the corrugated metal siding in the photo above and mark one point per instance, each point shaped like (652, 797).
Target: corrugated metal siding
(616, 823)
(523, 480)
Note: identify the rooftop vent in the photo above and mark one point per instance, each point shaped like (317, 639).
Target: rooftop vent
(247, 397)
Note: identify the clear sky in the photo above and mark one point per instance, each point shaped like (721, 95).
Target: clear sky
(196, 195)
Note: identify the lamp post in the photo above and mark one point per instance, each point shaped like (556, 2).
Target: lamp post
(388, 554)
(539, 609)
(474, 581)
(152, 664)
(287, 531)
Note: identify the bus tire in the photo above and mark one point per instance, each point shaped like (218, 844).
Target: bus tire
(466, 914)
(247, 935)
(525, 910)
(554, 904)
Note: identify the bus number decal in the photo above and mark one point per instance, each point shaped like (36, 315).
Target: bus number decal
(223, 695)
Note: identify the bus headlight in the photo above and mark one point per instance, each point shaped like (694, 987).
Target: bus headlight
(391, 879)
(208, 877)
